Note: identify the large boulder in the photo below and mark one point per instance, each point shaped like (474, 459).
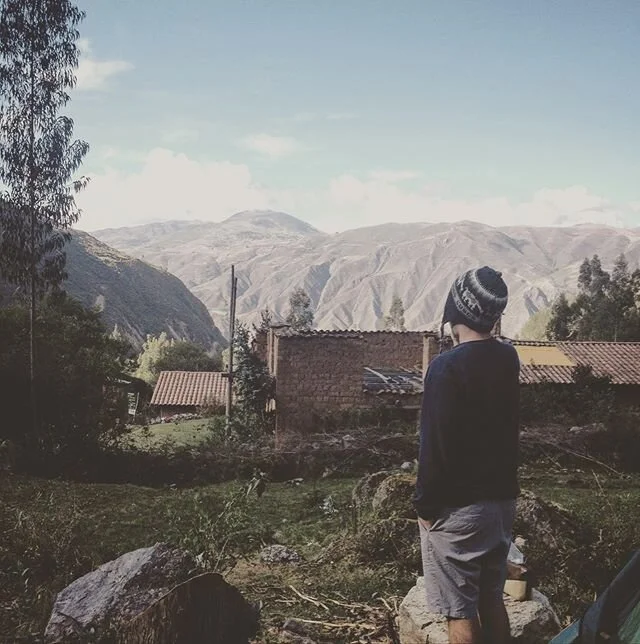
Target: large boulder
(544, 523)
(394, 497)
(148, 590)
(364, 490)
(532, 621)
(203, 609)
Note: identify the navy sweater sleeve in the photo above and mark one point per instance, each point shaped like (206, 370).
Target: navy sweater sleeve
(439, 420)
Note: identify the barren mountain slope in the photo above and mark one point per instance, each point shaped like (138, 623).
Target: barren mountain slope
(135, 296)
(352, 276)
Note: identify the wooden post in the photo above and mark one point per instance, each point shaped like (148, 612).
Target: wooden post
(232, 329)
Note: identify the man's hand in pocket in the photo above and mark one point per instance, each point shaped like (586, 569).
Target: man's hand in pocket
(425, 524)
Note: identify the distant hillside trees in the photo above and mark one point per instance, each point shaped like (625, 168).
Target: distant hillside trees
(536, 326)
(394, 320)
(159, 353)
(300, 315)
(607, 306)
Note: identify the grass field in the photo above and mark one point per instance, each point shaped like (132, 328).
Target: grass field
(182, 433)
(52, 532)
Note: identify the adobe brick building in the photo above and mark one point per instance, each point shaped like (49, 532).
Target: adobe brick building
(320, 373)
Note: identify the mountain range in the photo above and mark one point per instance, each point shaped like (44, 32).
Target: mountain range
(351, 277)
(133, 296)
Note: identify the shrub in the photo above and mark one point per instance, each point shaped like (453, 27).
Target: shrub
(76, 364)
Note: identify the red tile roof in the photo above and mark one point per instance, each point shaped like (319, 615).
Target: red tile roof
(620, 361)
(190, 388)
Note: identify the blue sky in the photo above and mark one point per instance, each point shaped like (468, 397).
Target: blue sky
(359, 112)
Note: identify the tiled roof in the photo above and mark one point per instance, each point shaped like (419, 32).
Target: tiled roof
(620, 361)
(338, 333)
(392, 381)
(190, 388)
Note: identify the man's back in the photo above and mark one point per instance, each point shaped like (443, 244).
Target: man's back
(469, 426)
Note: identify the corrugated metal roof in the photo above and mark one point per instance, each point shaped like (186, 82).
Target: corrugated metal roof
(190, 388)
(391, 381)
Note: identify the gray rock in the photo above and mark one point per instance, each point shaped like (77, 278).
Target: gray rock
(202, 609)
(407, 466)
(394, 497)
(296, 632)
(277, 554)
(365, 488)
(117, 591)
(532, 621)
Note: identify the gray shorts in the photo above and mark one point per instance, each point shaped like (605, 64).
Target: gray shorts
(464, 556)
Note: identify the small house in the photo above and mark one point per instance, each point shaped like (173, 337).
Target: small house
(180, 392)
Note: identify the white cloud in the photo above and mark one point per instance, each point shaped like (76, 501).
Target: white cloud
(169, 185)
(274, 147)
(373, 201)
(94, 74)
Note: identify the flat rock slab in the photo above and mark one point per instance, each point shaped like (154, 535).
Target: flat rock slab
(532, 622)
(116, 592)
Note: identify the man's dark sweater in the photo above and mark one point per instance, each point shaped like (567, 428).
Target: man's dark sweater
(469, 428)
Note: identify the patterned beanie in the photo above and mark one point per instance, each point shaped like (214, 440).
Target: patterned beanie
(476, 299)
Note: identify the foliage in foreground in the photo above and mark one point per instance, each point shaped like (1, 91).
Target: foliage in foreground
(77, 363)
(51, 532)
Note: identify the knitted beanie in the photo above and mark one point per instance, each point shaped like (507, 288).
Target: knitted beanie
(476, 299)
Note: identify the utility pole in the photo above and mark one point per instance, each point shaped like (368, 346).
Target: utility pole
(232, 330)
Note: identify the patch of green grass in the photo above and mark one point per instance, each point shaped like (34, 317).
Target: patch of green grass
(182, 433)
(51, 532)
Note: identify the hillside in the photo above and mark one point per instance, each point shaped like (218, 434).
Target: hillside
(352, 276)
(133, 296)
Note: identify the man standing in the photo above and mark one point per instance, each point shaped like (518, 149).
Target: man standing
(467, 476)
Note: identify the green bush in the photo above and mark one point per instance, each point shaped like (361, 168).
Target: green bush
(77, 366)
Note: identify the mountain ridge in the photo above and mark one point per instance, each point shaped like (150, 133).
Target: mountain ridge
(352, 276)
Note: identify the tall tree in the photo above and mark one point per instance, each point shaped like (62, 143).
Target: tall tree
(622, 300)
(607, 306)
(153, 350)
(38, 156)
(394, 321)
(251, 382)
(186, 356)
(300, 316)
(560, 322)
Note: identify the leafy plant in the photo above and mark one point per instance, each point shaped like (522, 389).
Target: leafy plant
(300, 316)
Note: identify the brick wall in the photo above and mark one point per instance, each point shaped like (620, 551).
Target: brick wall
(321, 374)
